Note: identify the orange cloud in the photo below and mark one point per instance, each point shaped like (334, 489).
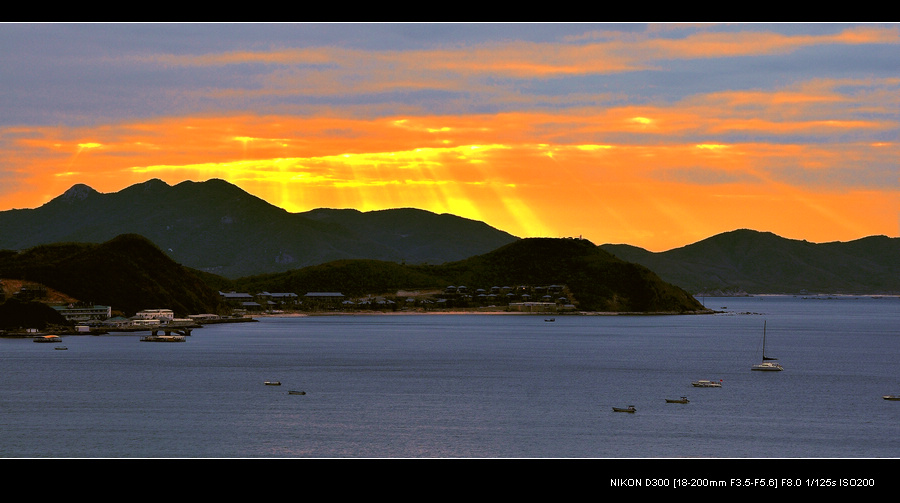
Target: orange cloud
(657, 175)
(488, 168)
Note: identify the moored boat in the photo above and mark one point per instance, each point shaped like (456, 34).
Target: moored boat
(273, 383)
(630, 408)
(705, 383)
(294, 392)
(163, 338)
(892, 397)
(677, 400)
(766, 364)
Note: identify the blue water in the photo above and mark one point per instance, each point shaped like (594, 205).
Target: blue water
(472, 386)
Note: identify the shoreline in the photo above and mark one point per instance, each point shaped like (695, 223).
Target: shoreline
(486, 313)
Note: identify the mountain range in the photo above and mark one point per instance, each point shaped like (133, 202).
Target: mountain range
(755, 262)
(216, 227)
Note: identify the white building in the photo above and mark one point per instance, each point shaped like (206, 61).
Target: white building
(163, 315)
(79, 313)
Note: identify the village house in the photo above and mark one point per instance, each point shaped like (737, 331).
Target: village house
(163, 315)
(323, 300)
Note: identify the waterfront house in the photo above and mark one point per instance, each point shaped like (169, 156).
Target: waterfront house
(163, 315)
(322, 300)
(236, 299)
(84, 313)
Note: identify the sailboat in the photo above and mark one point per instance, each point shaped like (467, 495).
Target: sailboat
(766, 364)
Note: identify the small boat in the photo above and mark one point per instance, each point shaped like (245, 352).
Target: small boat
(704, 383)
(892, 397)
(630, 408)
(766, 364)
(550, 320)
(292, 392)
(60, 347)
(273, 383)
(163, 338)
(678, 400)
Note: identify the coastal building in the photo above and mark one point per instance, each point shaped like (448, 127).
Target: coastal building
(84, 313)
(280, 300)
(323, 300)
(236, 299)
(144, 322)
(533, 307)
(117, 322)
(251, 306)
(162, 315)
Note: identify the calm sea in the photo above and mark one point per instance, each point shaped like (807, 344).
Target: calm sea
(471, 386)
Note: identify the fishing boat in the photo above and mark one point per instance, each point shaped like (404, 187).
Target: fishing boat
(677, 400)
(705, 383)
(892, 397)
(630, 408)
(766, 364)
(293, 392)
(273, 383)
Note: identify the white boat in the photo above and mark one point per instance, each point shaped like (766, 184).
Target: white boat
(163, 338)
(766, 363)
(891, 397)
(705, 383)
(630, 408)
(273, 383)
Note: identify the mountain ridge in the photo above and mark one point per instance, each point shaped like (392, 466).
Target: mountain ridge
(217, 227)
(756, 262)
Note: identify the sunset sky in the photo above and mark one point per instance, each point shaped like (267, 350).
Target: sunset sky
(652, 135)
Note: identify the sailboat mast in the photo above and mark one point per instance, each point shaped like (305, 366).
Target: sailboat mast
(764, 344)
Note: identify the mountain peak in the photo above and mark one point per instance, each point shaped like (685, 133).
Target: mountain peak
(77, 192)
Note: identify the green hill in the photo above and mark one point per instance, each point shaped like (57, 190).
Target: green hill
(597, 280)
(128, 273)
